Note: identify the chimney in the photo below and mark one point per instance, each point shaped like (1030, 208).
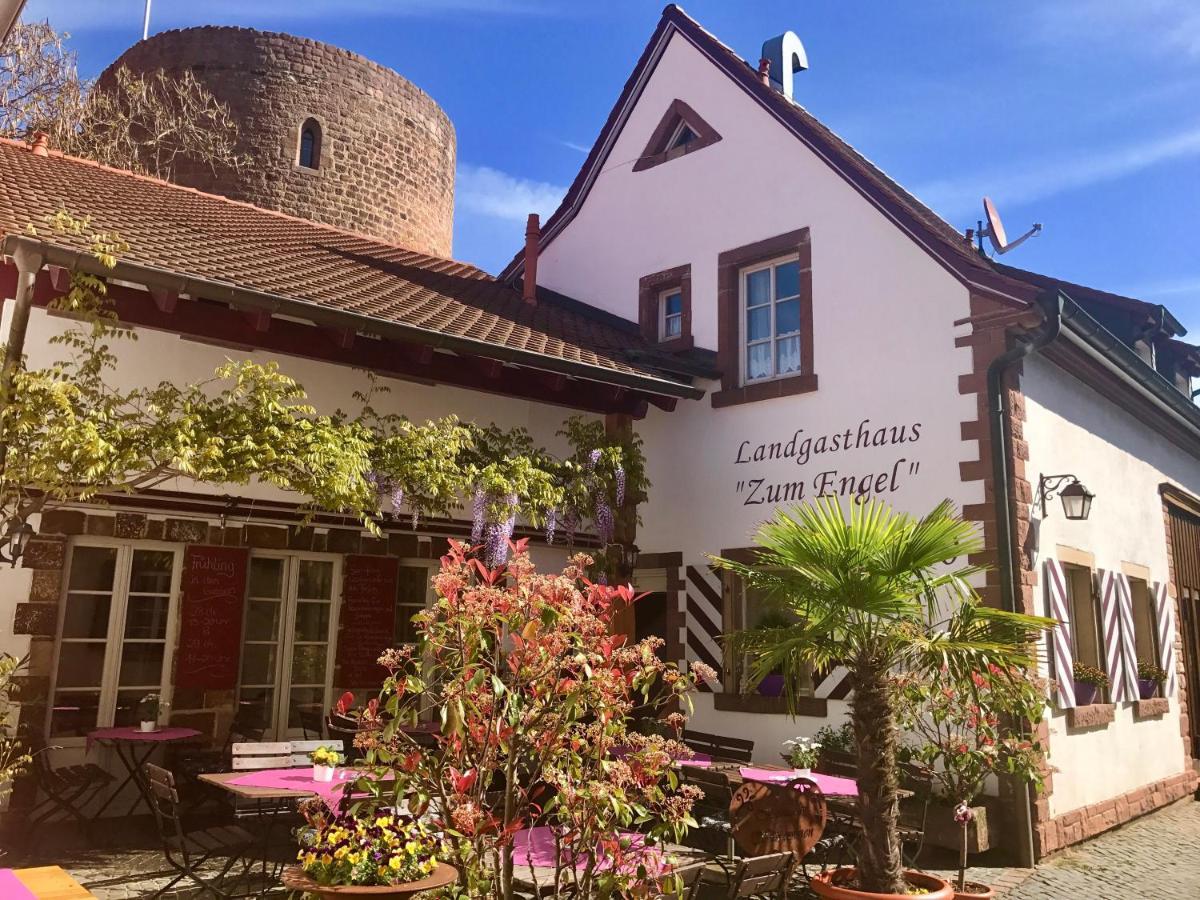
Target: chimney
(785, 56)
(764, 71)
(41, 144)
(533, 230)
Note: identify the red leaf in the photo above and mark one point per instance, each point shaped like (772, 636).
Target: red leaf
(345, 703)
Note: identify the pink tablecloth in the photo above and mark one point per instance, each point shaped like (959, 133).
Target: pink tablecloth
(535, 847)
(829, 784)
(11, 887)
(300, 780)
(136, 735)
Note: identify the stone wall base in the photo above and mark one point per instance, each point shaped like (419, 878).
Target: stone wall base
(1089, 821)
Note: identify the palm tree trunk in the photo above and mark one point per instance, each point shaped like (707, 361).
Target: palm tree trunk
(879, 861)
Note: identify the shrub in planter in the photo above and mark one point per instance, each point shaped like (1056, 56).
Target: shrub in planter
(870, 589)
(533, 693)
(1150, 679)
(960, 738)
(801, 753)
(13, 759)
(1089, 682)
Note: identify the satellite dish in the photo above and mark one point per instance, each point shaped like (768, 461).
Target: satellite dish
(995, 233)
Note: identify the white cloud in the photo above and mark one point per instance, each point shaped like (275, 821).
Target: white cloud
(1128, 25)
(578, 148)
(489, 192)
(1038, 179)
(126, 15)
(1171, 288)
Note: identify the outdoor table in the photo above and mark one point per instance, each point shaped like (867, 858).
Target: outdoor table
(830, 785)
(134, 747)
(43, 882)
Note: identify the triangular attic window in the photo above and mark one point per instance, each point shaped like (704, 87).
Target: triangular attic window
(680, 131)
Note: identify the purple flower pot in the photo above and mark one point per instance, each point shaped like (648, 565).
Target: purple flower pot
(1085, 693)
(771, 686)
(1147, 688)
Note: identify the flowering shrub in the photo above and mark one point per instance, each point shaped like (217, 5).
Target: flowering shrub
(961, 738)
(533, 693)
(801, 752)
(1090, 675)
(13, 758)
(375, 850)
(1150, 672)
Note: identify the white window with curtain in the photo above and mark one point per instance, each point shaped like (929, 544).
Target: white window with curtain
(771, 320)
(116, 634)
(670, 314)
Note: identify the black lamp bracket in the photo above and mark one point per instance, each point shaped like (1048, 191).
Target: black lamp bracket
(1049, 486)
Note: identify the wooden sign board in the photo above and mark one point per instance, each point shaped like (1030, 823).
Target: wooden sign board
(368, 619)
(210, 617)
(775, 818)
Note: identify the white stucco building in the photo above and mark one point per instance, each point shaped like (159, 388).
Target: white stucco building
(777, 318)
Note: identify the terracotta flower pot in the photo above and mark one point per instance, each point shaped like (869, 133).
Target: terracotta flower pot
(295, 879)
(829, 885)
(973, 890)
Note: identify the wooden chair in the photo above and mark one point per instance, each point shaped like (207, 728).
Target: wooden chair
(301, 750)
(711, 812)
(681, 883)
(718, 746)
(759, 876)
(187, 851)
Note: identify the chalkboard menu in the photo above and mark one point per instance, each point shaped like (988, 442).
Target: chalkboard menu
(210, 619)
(368, 618)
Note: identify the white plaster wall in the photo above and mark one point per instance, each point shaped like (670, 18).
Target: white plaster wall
(1073, 429)
(883, 314)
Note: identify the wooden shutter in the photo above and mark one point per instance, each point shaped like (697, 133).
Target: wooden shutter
(1164, 620)
(1128, 639)
(210, 617)
(1109, 589)
(1060, 638)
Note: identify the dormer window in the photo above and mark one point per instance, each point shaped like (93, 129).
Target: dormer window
(680, 131)
(665, 308)
(309, 156)
(670, 315)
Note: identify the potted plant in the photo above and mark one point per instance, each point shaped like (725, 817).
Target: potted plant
(961, 742)
(1089, 682)
(148, 709)
(1150, 679)
(801, 753)
(325, 761)
(381, 855)
(771, 685)
(871, 590)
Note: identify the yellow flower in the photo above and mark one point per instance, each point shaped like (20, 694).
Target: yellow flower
(383, 821)
(394, 862)
(340, 853)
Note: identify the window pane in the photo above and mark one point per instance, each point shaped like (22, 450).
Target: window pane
(126, 712)
(787, 356)
(151, 572)
(86, 616)
(141, 664)
(316, 580)
(258, 664)
(673, 326)
(266, 577)
(787, 280)
(758, 361)
(412, 587)
(75, 713)
(1144, 637)
(787, 317)
(312, 621)
(307, 708)
(81, 664)
(308, 663)
(262, 620)
(146, 617)
(92, 568)
(758, 287)
(758, 323)
(254, 705)
(673, 304)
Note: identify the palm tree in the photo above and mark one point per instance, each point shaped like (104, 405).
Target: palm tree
(878, 592)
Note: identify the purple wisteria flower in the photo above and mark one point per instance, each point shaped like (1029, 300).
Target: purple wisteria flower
(604, 520)
(478, 514)
(620, 477)
(551, 525)
(593, 458)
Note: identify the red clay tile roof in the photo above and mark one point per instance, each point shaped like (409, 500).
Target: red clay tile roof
(213, 238)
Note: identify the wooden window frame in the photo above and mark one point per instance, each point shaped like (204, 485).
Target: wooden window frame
(651, 290)
(730, 329)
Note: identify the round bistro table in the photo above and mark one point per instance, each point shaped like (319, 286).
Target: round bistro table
(134, 747)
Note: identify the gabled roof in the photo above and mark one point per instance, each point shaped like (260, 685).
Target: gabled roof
(441, 302)
(924, 226)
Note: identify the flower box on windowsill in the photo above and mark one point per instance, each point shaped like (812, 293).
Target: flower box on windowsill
(1095, 715)
(1151, 708)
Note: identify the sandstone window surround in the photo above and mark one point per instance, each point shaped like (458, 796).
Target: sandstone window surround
(680, 131)
(659, 295)
(756, 321)
(308, 154)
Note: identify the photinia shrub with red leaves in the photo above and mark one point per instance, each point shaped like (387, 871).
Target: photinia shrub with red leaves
(532, 694)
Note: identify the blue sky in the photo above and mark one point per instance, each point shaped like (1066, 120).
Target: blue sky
(1080, 114)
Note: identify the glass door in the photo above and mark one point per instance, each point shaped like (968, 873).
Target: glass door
(288, 641)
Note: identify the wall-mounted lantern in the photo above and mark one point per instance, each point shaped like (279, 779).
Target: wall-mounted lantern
(1076, 499)
(12, 542)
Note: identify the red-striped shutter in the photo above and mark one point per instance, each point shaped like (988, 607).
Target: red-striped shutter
(1164, 620)
(1060, 637)
(1128, 641)
(1109, 588)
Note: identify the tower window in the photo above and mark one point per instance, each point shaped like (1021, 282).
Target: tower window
(310, 144)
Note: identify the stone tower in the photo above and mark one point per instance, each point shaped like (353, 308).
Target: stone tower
(330, 136)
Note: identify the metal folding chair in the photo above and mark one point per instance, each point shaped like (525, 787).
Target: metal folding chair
(712, 810)
(66, 789)
(187, 851)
